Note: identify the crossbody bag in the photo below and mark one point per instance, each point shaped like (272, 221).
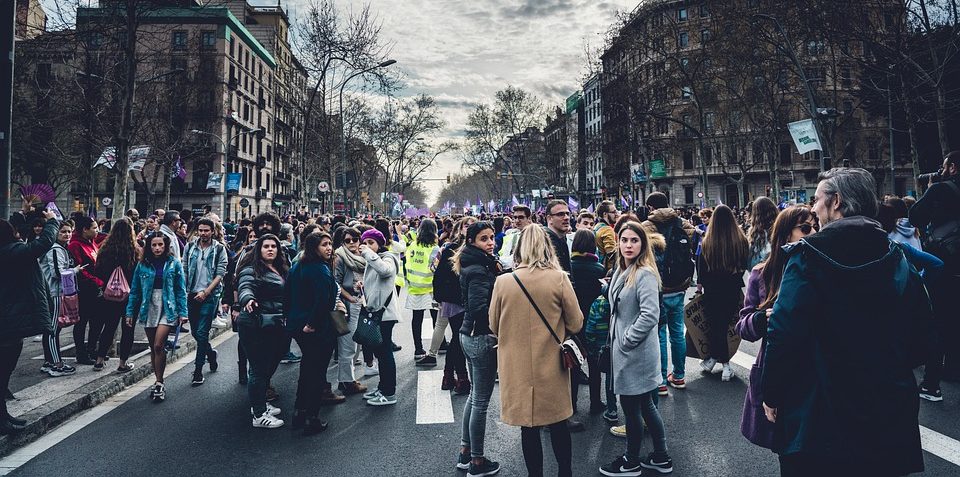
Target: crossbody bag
(571, 354)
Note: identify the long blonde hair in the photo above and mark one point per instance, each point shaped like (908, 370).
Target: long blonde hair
(645, 259)
(534, 250)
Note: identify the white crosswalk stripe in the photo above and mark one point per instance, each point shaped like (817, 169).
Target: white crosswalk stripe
(433, 404)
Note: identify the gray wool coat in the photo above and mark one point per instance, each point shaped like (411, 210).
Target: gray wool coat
(634, 342)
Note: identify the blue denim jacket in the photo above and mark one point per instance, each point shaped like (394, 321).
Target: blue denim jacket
(174, 291)
(215, 263)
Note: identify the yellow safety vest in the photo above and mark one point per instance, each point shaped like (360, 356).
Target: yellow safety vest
(419, 275)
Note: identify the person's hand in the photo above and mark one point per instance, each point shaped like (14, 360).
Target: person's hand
(234, 314)
(224, 308)
(184, 320)
(358, 285)
(129, 320)
(200, 296)
(308, 329)
(363, 248)
(48, 214)
(341, 307)
(769, 312)
(699, 288)
(770, 412)
(250, 306)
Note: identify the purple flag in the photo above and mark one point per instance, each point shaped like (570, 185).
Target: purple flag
(179, 171)
(624, 203)
(573, 204)
(514, 201)
(590, 209)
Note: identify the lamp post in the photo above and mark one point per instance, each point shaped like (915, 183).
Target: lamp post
(343, 137)
(223, 163)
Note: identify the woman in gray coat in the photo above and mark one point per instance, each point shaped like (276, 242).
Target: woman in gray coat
(635, 351)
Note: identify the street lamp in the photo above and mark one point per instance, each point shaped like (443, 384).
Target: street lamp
(343, 137)
(223, 163)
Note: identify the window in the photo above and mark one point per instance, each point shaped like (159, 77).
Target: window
(684, 62)
(683, 40)
(873, 152)
(233, 46)
(688, 194)
(208, 40)
(704, 11)
(704, 35)
(846, 78)
(681, 14)
(687, 160)
(709, 121)
(847, 107)
(815, 74)
(816, 47)
(757, 153)
(686, 92)
(178, 64)
(179, 40)
(44, 75)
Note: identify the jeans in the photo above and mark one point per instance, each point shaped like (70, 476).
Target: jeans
(388, 365)
(638, 409)
(455, 362)
(672, 314)
(533, 449)
(9, 355)
(201, 316)
(264, 348)
(482, 360)
(111, 316)
(317, 351)
(347, 348)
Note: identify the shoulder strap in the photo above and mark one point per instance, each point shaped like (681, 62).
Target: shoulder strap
(537, 308)
(953, 186)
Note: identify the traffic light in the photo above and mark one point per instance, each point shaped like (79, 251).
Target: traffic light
(498, 176)
(448, 178)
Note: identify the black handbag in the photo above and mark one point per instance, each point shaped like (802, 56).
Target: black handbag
(368, 327)
(271, 320)
(340, 322)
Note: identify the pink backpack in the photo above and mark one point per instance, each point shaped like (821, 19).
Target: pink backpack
(117, 289)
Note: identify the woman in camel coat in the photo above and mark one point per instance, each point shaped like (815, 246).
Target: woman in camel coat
(534, 385)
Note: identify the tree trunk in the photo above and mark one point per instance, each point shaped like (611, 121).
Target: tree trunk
(942, 134)
(912, 132)
(126, 118)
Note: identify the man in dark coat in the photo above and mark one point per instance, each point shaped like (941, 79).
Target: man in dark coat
(849, 326)
(558, 224)
(26, 307)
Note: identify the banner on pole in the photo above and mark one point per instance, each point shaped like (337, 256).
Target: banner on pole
(214, 180)
(233, 181)
(805, 136)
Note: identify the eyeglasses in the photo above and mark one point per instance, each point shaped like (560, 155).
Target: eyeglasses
(519, 217)
(561, 214)
(805, 228)
(350, 240)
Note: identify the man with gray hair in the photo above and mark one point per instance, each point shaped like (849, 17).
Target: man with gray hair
(850, 323)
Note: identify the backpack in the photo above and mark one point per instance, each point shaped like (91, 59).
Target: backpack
(944, 239)
(675, 262)
(117, 289)
(597, 325)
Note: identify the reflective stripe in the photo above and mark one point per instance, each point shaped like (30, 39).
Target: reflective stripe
(420, 274)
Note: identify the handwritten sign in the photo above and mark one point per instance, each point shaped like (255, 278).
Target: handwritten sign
(698, 346)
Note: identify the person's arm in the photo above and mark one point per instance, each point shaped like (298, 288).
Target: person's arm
(246, 286)
(180, 290)
(495, 309)
(39, 247)
(477, 290)
(753, 322)
(923, 212)
(930, 266)
(133, 302)
(384, 268)
(608, 240)
(434, 256)
(648, 299)
(572, 316)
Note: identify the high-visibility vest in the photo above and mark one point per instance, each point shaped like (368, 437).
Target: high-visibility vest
(419, 275)
(506, 250)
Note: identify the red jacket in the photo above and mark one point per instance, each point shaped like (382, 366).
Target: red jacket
(84, 252)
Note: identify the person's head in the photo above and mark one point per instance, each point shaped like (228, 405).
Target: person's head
(121, 244)
(427, 233)
(584, 242)
(585, 221)
(205, 228)
(242, 238)
(171, 220)
(151, 223)
(705, 215)
(265, 257)
(558, 216)
(891, 210)
(159, 246)
(498, 224)
(534, 250)
(791, 225)
(762, 214)
(623, 219)
(481, 235)
(285, 232)
(266, 223)
(351, 239)
(63, 236)
(159, 213)
(318, 247)
(521, 216)
(86, 228)
(634, 251)
(307, 230)
(657, 200)
(725, 248)
(36, 226)
(133, 214)
(951, 164)
(607, 212)
(507, 222)
(845, 192)
(374, 240)
(8, 234)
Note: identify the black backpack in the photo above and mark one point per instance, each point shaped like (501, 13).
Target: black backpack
(675, 262)
(944, 239)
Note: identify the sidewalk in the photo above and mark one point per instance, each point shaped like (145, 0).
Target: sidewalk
(46, 402)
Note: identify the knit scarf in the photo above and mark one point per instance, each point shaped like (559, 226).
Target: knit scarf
(354, 262)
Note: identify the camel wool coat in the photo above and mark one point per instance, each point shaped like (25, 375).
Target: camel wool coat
(534, 385)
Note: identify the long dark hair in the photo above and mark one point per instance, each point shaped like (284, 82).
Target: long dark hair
(779, 235)
(240, 240)
(120, 247)
(148, 254)
(255, 258)
(427, 233)
(762, 215)
(725, 248)
(311, 243)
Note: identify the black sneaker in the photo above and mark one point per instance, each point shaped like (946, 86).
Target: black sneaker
(197, 377)
(488, 467)
(662, 464)
(463, 461)
(419, 354)
(397, 347)
(622, 467)
(427, 361)
(933, 395)
(212, 360)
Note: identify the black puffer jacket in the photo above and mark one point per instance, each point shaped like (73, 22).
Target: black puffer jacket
(446, 283)
(267, 291)
(23, 289)
(478, 272)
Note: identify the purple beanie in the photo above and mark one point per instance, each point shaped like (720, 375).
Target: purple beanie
(375, 235)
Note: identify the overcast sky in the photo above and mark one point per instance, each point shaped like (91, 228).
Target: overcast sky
(461, 51)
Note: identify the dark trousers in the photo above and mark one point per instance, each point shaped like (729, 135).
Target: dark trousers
(201, 316)
(111, 316)
(533, 449)
(638, 409)
(89, 316)
(721, 307)
(388, 365)
(455, 362)
(596, 383)
(9, 355)
(945, 326)
(317, 351)
(418, 327)
(264, 348)
(804, 464)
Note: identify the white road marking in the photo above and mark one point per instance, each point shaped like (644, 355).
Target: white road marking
(940, 445)
(23, 455)
(433, 404)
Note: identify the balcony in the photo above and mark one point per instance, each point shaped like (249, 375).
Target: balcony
(233, 83)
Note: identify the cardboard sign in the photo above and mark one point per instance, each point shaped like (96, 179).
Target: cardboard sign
(695, 320)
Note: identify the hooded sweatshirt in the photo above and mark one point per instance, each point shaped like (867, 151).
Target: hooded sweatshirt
(905, 233)
(84, 252)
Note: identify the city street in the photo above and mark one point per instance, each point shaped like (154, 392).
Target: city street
(206, 430)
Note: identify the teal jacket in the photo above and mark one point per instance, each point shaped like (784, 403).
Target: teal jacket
(174, 291)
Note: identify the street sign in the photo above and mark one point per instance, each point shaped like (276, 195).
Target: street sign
(699, 195)
(323, 187)
(106, 201)
(244, 203)
(636, 170)
(657, 169)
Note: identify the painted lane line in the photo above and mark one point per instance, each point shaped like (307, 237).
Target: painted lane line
(433, 404)
(940, 445)
(21, 456)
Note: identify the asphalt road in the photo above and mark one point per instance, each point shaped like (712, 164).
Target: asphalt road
(206, 431)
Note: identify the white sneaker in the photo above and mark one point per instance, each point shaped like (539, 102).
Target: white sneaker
(267, 421)
(708, 364)
(271, 410)
(371, 370)
(221, 323)
(381, 400)
(371, 394)
(727, 372)
(38, 338)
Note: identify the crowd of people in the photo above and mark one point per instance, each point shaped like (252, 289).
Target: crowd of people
(540, 304)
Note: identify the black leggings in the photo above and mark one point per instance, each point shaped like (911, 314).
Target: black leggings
(455, 361)
(418, 327)
(89, 314)
(9, 355)
(533, 449)
(638, 409)
(112, 315)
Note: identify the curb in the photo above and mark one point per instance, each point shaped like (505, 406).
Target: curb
(58, 411)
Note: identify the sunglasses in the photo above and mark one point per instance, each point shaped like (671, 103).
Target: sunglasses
(805, 228)
(350, 240)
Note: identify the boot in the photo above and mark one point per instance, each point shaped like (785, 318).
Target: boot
(329, 398)
(299, 418)
(314, 426)
(242, 367)
(449, 382)
(463, 387)
(352, 387)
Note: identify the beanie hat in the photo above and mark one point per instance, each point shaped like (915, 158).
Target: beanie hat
(375, 235)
